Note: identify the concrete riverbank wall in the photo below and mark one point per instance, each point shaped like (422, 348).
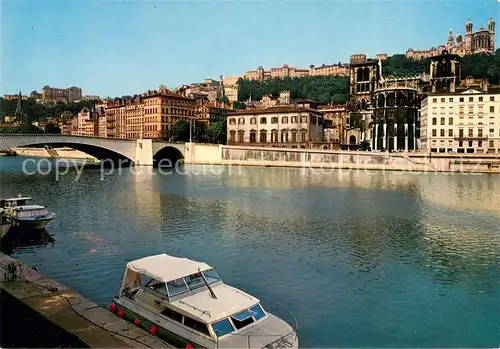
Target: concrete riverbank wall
(37, 311)
(327, 159)
(63, 153)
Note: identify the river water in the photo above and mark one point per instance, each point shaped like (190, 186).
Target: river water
(363, 259)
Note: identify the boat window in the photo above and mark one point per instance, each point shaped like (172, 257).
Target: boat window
(155, 285)
(196, 325)
(242, 319)
(257, 311)
(176, 287)
(222, 327)
(172, 315)
(194, 281)
(211, 276)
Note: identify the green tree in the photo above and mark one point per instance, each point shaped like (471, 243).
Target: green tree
(24, 129)
(52, 128)
(223, 99)
(217, 132)
(201, 132)
(180, 130)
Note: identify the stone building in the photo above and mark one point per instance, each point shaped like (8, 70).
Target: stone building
(53, 94)
(334, 123)
(296, 126)
(466, 120)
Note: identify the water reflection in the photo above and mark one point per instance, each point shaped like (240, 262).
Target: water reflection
(17, 239)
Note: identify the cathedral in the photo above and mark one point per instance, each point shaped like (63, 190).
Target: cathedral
(384, 112)
(480, 41)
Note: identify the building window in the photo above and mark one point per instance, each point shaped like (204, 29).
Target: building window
(241, 136)
(284, 120)
(492, 98)
(471, 99)
(274, 120)
(294, 119)
(480, 99)
(480, 144)
(451, 100)
(303, 135)
(480, 132)
(303, 119)
(434, 100)
(232, 136)
(461, 133)
(263, 120)
(492, 144)
(471, 109)
(461, 99)
(492, 109)
(263, 136)
(450, 132)
(442, 121)
(471, 132)
(461, 110)
(434, 121)
(232, 121)
(470, 144)
(450, 121)
(284, 136)
(480, 109)
(253, 121)
(442, 100)
(294, 136)
(434, 133)
(460, 144)
(253, 136)
(274, 136)
(441, 132)
(241, 121)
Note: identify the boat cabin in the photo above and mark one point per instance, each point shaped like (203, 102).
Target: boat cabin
(28, 211)
(192, 294)
(14, 202)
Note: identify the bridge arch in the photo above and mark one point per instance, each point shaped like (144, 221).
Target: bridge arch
(111, 150)
(168, 155)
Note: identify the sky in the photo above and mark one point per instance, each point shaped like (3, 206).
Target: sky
(114, 48)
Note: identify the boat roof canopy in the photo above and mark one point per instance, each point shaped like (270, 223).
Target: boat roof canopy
(165, 268)
(18, 199)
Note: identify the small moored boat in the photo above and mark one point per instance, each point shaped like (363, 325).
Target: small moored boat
(25, 215)
(185, 302)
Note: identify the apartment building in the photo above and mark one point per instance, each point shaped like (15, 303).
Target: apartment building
(283, 126)
(85, 123)
(230, 85)
(150, 115)
(207, 111)
(467, 121)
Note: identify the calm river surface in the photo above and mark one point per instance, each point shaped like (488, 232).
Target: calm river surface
(363, 259)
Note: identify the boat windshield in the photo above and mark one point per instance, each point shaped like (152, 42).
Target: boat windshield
(238, 321)
(191, 282)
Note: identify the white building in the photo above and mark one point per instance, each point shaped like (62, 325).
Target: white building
(286, 126)
(466, 121)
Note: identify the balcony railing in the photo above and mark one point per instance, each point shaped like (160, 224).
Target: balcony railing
(471, 138)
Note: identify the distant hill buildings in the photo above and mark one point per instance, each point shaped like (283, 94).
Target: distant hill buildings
(480, 41)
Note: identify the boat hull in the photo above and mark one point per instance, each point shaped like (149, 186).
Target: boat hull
(178, 338)
(36, 224)
(146, 324)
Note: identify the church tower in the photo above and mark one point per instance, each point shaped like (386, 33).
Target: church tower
(468, 37)
(445, 72)
(451, 41)
(491, 28)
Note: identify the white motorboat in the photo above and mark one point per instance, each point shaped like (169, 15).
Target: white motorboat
(25, 215)
(5, 224)
(185, 302)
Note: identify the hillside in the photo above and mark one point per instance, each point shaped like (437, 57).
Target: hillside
(334, 89)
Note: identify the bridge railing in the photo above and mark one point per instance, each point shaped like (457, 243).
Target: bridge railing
(54, 135)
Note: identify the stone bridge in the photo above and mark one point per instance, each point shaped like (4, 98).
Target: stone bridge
(144, 152)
